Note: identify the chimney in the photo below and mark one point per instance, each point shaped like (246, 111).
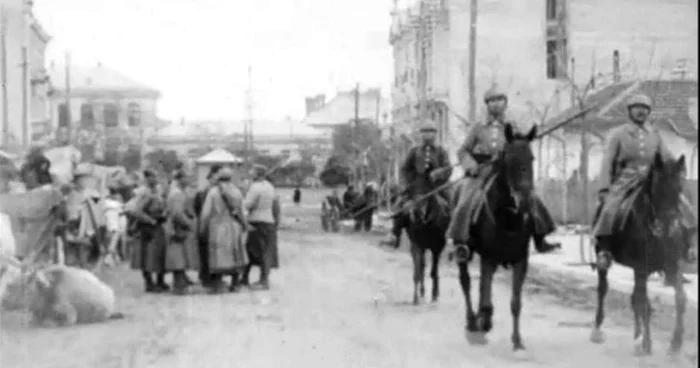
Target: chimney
(616, 66)
(315, 103)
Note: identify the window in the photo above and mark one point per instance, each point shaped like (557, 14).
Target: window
(551, 9)
(63, 116)
(87, 115)
(111, 115)
(134, 114)
(556, 59)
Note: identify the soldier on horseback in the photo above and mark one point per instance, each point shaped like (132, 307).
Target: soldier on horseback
(422, 168)
(629, 154)
(484, 142)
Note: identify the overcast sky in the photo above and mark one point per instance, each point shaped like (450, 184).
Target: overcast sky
(197, 51)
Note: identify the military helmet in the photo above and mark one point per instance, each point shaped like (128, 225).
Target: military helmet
(494, 93)
(428, 126)
(639, 100)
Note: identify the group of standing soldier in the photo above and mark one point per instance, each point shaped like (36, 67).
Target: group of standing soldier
(217, 231)
(628, 157)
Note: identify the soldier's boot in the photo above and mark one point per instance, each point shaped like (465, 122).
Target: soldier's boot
(148, 282)
(604, 256)
(161, 285)
(179, 283)
(543, 246)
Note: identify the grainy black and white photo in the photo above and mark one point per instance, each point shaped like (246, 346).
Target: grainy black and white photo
(351, 184)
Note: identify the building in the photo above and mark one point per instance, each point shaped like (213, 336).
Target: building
(110, 115)
(270, 137)
(674, 114)
(24, 101)
(340, 110)
(558, 44)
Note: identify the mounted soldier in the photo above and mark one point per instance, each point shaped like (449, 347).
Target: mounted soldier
(423, 168)
(484, 142)
(629, 154)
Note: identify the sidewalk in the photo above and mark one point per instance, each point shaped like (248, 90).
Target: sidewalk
(567, 261)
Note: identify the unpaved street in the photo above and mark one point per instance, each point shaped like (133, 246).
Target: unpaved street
(338, 301)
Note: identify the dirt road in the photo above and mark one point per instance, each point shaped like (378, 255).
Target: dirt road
(338, 301)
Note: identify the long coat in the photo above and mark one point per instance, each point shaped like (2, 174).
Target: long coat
(181, 230)
(225, 233)
(628, 156)
(149, 253)
(484, 142)
(419, 163)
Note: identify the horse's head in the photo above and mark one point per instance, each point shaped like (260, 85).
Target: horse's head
(516, 165)
(666, 182)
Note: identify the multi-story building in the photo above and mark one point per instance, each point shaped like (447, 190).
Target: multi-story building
(537, 50)
(25, 93)
(110, 115)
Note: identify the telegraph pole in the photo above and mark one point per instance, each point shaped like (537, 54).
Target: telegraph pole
(356, 129)
(69, 119)
(248, 123)
(3, 76)
(473, 16)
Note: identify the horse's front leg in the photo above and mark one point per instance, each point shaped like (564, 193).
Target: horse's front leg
(488, 270)
(681, 300)
(435, 273)
(642, 313)
(597, 335)
(418, 256)
(516, 305)
(465, 282)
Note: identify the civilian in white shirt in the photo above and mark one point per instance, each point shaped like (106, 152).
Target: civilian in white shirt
(259, 205)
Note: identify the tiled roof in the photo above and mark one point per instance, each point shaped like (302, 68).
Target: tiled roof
(97, 78)
(675, 105)
(341, 109)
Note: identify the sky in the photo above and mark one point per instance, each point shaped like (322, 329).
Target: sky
(197, 52)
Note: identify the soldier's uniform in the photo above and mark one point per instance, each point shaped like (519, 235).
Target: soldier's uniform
(483, 142)
(629, 154)
(418, 173)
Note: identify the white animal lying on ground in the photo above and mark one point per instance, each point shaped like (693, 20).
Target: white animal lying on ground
(68, 295)
(64, 296)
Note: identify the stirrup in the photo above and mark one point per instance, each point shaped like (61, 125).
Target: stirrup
(462, 253)
(604, 260)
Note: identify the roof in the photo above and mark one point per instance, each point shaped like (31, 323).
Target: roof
(675, 107)
(88, 80)
(341, 109)
(219, 156)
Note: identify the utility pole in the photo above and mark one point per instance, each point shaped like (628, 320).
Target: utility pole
(473, 16)
(248, 123)
(356, 129)
(26, 17)
(3, 76)
(423, 67)
(69, 119)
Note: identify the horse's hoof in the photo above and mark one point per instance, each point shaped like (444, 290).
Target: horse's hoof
(416, 301)
(476, 338)
(472, 325)
(640, 348)
(675, 347)
(597, 336)
(517, 344)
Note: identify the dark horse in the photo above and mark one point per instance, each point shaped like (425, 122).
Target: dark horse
(426, 225)
(650, 240)
(501, 232)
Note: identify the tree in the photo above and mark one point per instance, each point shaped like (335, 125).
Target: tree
(335, 172)
(167, 161)
(363, 147)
